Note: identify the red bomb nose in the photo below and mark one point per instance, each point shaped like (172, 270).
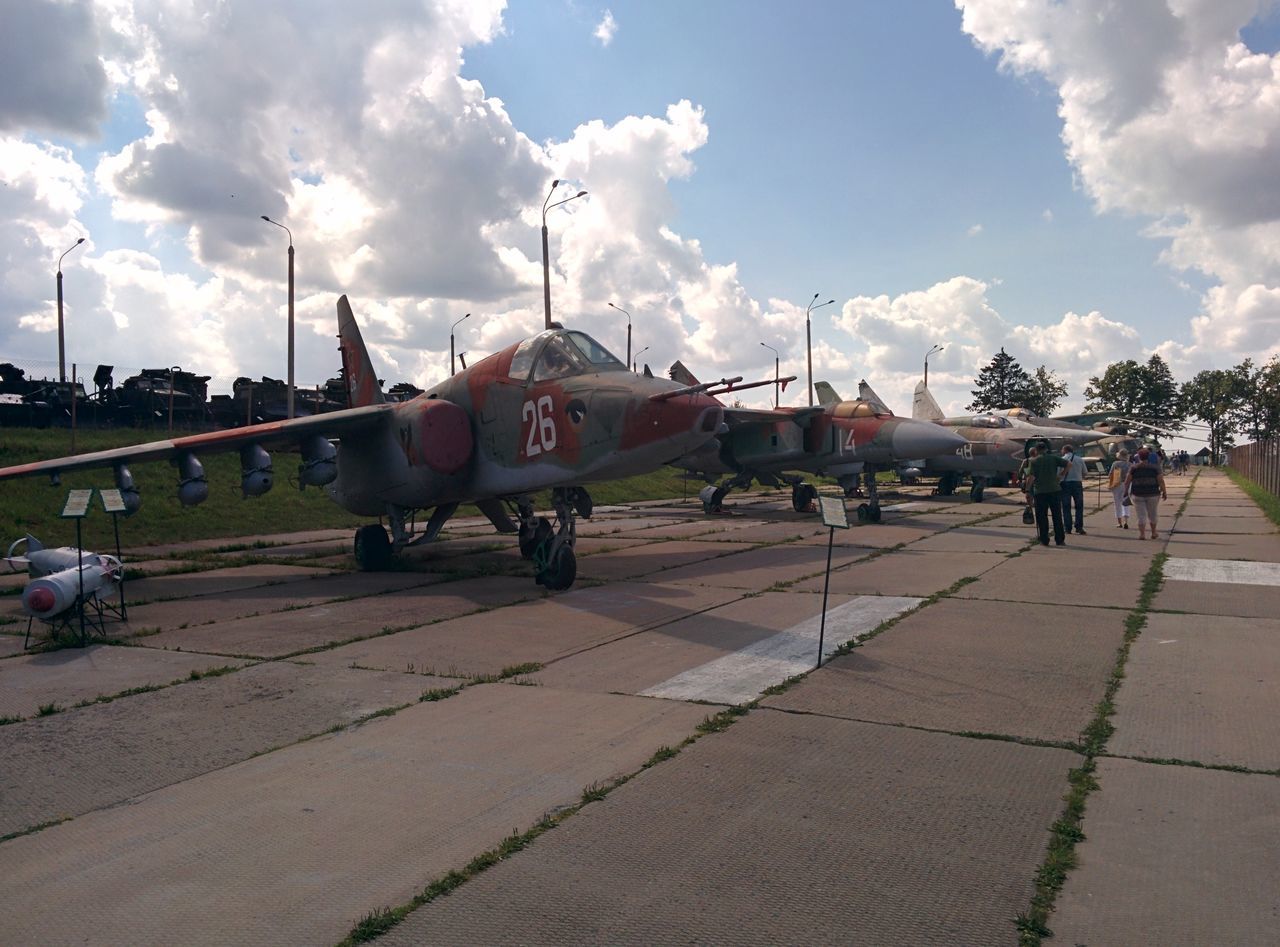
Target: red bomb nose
(41, 600)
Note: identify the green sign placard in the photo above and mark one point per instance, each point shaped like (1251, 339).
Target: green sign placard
(833, 512)
(77, 505)
(112, 501)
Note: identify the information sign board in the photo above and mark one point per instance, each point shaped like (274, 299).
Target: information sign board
(833, 512)
(112, 501)
(77, 504)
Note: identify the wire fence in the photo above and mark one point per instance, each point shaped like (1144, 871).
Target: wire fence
(1260, 462)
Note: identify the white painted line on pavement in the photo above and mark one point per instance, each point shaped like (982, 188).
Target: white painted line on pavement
(742, 675)
(1222, 570)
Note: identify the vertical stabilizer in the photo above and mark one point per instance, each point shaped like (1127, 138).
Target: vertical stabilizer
(867, 393)
(923, 407)
(826, 394)
(362, 382)
(677, 372)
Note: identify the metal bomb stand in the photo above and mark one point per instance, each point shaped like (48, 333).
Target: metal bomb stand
(77, 508)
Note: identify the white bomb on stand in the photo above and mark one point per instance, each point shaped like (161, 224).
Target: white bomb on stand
(51, 595)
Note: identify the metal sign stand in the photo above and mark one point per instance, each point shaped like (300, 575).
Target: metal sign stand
(113, 503)
(836, 517)
(77, 508)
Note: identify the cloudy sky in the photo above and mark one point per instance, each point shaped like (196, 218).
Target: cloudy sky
(1079, 181)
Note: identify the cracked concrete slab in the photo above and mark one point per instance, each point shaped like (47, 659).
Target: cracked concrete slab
(1221, 570)
(654, 559)
(975, 666)
(1217, 546)
(69, 764)
(1174, 855)
(808, 831)
(1202, 690)
(295, 846)
(1215, 598)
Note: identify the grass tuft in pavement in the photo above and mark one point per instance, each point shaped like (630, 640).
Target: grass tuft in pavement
(1068, 830)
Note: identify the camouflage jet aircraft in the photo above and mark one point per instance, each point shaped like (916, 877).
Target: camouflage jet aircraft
(552, 412)
(836, 438)
(995, 443)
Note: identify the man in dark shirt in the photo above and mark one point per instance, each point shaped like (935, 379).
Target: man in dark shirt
(1043, 473)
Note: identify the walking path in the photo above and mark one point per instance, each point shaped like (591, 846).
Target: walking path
(278, 748)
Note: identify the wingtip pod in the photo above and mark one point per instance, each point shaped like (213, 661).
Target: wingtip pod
(362, 382)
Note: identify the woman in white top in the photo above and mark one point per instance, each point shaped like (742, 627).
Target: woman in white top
(1119, 473)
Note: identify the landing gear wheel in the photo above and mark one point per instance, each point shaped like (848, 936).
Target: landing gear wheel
(560, 572)
(868, 513)
(802, 497)
(947, 484)
(712, 498)
(975, 491)
(531, 539)
(373, 549)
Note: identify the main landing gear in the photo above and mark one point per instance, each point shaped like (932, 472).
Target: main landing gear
(551, 547)
(947, 484)
(976, 488)
(803, 496)
(869, 512)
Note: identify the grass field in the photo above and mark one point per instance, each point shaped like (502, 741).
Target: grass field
(32, 504)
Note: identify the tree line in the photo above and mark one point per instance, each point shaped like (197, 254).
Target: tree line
(1244, 400)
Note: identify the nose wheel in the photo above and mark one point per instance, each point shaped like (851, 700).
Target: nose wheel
(869, 512)
(555, 564)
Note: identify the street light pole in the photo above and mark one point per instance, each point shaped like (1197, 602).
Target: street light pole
(290, 233)
(62, 352)
(546, 265)
(808, 339)
(172, 370)
(933, 351)
(638, 354)
(628, 315)
(451, 328)
(775, 371)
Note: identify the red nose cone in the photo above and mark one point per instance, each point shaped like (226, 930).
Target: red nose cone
(41, 600)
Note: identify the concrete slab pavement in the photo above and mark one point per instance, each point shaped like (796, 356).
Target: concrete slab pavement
(654, 559)
(68, 676)
(69, 764)
(1203, 691)
(541, 631)
(1072, 577)
(1175, 855)
(289, 632)
(904, 572)
(973, 666)
(782, 829)
(760, 568)
(357, 820)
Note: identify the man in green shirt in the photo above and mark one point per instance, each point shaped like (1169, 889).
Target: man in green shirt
(1043, 471)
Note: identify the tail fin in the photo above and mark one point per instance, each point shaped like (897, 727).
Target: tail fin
(826, 394)
(923, 407)
(362, 383)
(677, 372)
(867, 393)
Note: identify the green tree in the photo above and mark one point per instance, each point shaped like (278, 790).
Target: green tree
(1047, 392)
(1258, 417)
(1215, 396)
(1133, 390)
(1001, 384)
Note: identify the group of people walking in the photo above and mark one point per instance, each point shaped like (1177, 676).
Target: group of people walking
(1055, 487)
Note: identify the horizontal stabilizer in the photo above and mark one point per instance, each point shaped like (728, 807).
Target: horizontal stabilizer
(678, 373)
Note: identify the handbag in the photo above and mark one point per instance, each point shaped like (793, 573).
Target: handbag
(1127, 501)
(1028, 516)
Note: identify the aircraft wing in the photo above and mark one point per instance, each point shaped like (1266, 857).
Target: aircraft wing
(274, 433)
(737, 417)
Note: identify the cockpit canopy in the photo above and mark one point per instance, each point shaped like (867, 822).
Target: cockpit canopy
(560, 353)
(989, 420)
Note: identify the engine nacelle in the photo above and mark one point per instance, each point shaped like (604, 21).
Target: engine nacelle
(51, 595)
(128, 490)
(256, 477)
(319, 462)
(193, 485)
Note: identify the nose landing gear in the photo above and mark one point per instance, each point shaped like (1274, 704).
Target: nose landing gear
(551, 547)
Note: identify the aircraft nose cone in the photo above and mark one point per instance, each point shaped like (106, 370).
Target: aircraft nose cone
(918, 439)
